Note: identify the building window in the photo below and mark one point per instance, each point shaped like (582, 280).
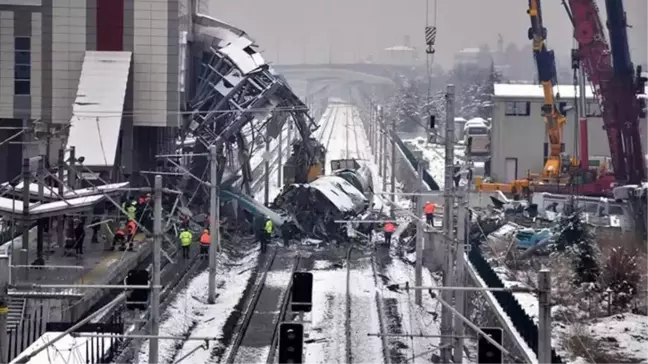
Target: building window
(22, 66)
(593, 109)
(518, 108)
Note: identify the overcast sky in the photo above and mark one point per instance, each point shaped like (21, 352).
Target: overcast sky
(316, 31)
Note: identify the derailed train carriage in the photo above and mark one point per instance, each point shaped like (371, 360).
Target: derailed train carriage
(316, 206)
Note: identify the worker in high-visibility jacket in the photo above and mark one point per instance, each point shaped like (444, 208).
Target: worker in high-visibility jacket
(205, 240)
(429, 212)
(131, 211)
(268, 228)
(186, 237)
(131, 230)
(389, 229)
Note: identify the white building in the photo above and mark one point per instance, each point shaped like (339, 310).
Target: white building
(519, 138)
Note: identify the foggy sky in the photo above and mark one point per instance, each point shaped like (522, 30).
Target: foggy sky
(343, 31)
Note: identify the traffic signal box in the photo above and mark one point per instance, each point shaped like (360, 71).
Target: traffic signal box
(487, 353)
(291, 343)
(302, 292)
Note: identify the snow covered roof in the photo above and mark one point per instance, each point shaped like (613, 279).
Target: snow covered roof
(99, 105)
(52, 193)
(527, 91)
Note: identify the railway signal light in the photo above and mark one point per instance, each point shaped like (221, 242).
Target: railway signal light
(302, 292)
(138, 298)
(487, 353)
(291, 343)
(432, 121)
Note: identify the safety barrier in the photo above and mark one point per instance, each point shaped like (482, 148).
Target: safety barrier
(520, 319)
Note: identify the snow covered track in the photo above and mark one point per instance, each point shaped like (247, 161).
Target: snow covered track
(256, 334)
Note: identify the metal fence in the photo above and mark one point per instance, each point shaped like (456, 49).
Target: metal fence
(31, 328)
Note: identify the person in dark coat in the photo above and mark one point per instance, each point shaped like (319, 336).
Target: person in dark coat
(95, 230)
(79, 237)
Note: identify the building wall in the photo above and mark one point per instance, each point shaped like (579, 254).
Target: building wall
(522, 137)
(62, 30)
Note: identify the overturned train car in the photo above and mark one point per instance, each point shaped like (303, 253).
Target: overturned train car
(316, 206)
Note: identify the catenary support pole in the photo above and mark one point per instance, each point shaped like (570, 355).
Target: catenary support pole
(157, 253)
(266, 176)
(448, 228)
(72, 175)
(213, 212)
(40, 260)
(24, 252)
(381, 149)
(4, 310)
(420, 231)
(393, 160)
(384, 152)
(544, 316)
(279, 158)
(462, 237)
(376, 130)
(60, 225)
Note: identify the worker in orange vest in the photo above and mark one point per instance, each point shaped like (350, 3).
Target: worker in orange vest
(119, 238)
(131, 229)
(205, 240)
(389, 229)
(429, 212)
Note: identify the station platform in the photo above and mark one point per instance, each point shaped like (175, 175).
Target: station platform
(98, 265)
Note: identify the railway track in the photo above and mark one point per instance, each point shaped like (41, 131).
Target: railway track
(265, 309)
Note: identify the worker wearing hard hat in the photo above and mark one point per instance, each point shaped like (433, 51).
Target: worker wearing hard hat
(429, 213)
(205, 240)
(389, 229)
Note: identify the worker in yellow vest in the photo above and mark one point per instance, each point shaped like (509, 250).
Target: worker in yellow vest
(205, 240)
(185, 242)
(267, 234)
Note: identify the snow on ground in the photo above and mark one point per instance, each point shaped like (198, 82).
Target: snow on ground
(435, 155)
(364, 316)
(418, 320)
(190, 314)
(325, 342)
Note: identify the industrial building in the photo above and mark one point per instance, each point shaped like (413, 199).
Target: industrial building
(77, 70)
(518, 133)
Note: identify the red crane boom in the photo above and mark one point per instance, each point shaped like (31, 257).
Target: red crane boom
(615, 92)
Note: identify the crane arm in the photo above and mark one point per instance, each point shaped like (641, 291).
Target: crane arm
(546, 66)
(613, 84)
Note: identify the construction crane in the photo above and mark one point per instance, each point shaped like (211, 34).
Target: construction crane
(557, 163)
(615, 83)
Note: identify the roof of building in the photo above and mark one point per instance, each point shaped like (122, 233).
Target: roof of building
(530, 91)
(99, 105)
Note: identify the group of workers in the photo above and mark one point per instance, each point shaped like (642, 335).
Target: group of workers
(135, 210)
(389, 228)
(186, 236)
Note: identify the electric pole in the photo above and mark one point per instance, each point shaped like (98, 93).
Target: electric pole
(40, 230)
(374, 135)
(279, 156)
(463, 223)
(384, 156)
(393, 161)
(420, 230)
(4, 310)
(24, 252)
(157, 252)
(266, 176)
(544, 316)
(213, 224)
(448, 228)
